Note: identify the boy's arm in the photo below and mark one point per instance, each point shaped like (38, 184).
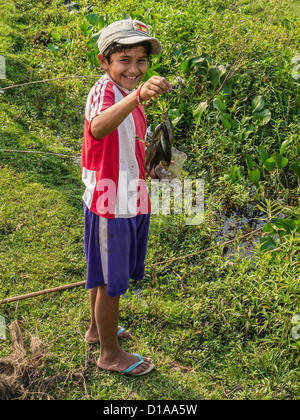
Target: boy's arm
(112, 117)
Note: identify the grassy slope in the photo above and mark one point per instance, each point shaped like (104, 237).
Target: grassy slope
(215, 327)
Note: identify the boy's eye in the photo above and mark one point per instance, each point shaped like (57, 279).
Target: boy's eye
(126, 60)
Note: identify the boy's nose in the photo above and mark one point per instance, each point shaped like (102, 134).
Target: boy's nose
(134, 68)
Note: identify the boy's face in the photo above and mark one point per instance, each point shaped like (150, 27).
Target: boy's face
(126, 68)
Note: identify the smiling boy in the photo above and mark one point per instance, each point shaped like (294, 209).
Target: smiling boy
(116, 201)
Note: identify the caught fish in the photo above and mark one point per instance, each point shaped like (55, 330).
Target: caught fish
(160, 147)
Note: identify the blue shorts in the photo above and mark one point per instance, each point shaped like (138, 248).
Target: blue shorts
(115, 250)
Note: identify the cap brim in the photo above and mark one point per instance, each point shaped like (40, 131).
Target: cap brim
(155, 44)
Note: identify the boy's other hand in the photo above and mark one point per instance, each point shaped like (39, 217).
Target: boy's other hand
(154, 87)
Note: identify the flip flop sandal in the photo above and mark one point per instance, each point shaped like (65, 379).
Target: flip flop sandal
(120, 330)
(132, 367)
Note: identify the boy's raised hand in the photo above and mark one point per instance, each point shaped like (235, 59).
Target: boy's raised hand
(154, 87)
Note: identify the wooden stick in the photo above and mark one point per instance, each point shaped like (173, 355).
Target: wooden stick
(42, 292)
(81, 283)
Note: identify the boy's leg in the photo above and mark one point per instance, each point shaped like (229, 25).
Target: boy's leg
(112, 357)
(92, 335)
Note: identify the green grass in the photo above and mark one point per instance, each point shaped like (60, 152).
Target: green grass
(218, 324)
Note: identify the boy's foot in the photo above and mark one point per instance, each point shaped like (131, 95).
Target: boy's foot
(93, 338)
(126, 363)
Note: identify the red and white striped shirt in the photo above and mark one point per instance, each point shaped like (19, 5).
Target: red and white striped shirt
(113, 167)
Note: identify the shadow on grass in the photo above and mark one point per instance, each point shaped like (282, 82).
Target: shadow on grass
(51, 171)
(21, 107)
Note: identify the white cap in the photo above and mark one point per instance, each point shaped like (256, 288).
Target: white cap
(127, 32)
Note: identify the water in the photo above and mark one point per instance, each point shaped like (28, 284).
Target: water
(239, 222)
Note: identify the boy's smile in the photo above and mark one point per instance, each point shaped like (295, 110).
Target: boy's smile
(126, 68)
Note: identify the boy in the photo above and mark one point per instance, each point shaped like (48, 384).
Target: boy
(116, 202)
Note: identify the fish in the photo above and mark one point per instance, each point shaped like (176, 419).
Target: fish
(160, 145)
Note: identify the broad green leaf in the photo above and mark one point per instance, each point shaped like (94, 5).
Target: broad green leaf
(56, 37)
(199, 110)
(185, 66)
(208, 57)
(175, 115)
(92, 43)
(93, 59)
(257, 103)
(269, 164)
(280, 226)
(263, 116)
(222, 70)
(254, 176)
(220, 105)
(214, 74)
(85, 26)
(52, 48)
(139, 14)
(68, 43)
(149, 73)
(199, 60)
(178, 52)
(249, 162)
(96, 20)
(200, 65)
(296, 167)
(281, 161)
(248, 130)
(286, 227)
(268, 228)
(295, 224)
(267, 244)
(263, 154)
(226, 91)
(226, 120)
(176, 120)
(284, 145)
(291, 224)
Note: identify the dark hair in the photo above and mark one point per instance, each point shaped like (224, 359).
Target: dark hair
(116, 47)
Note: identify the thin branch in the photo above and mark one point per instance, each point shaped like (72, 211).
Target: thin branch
(36, 152)
(49, 80)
